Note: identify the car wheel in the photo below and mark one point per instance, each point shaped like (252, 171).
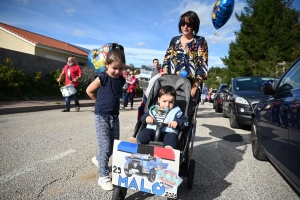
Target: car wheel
(119, 193)
(152, 175)
(257, 150)
(127, 174)
(217, 108)
(223, 113)
(232, 120)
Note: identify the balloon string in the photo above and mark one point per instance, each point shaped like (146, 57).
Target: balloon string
(215, 34)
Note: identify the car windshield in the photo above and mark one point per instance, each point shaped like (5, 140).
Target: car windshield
(251, 83)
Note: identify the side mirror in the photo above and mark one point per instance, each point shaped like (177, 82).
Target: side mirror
(225, 90)
(267, 87)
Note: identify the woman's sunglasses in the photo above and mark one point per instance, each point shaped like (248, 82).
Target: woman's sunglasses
(186, 23)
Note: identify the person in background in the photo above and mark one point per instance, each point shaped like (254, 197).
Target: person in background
(194, 94)
(156, 65)
(105, 90)
(131, 80)
(124, 74)
(204, 93)
(188, 51)
(72, 74)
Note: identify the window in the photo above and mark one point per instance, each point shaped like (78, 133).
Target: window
(81, 63)
(291, 79)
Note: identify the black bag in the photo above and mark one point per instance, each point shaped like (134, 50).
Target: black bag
(125, 87)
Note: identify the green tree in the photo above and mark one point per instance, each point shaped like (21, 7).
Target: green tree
(269, 34)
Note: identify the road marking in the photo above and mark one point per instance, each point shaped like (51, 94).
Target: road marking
(33, 167)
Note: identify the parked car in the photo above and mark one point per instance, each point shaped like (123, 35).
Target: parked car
(212, 95)
(275, 130)
(241, 96)
(218, 99)
(145, 75)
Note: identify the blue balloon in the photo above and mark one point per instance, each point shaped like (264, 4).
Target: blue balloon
(97, 58)
(183, 73)
(221, 12)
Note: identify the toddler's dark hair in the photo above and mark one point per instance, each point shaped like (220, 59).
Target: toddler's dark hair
(115, 53)
(168, 89)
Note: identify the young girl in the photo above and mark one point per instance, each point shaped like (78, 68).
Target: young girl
(105, 90)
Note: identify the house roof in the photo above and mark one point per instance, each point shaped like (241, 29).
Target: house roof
(41, 40)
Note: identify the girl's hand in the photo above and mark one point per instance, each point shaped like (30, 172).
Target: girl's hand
(172, 124)
(149, 120)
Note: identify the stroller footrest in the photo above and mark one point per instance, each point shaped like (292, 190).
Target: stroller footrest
(155, 143)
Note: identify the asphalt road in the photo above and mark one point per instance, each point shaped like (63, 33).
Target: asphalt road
(47, 155)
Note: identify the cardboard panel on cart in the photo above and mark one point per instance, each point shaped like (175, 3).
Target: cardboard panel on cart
(146, 168)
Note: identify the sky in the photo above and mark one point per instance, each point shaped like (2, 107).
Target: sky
(143, 27)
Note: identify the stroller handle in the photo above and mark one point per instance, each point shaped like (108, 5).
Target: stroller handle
(159, 125)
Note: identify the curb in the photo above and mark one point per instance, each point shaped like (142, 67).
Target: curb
(18, 108)
(5, 111)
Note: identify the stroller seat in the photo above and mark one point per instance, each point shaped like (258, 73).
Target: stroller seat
(189, 108)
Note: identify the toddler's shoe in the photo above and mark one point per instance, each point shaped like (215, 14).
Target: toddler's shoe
(95, 161)
(105, 183)
(132, 140)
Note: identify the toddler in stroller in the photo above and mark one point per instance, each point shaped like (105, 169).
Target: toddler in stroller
(163, 112)
(185, 137)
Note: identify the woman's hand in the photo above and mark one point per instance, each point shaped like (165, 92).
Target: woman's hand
(162, 73)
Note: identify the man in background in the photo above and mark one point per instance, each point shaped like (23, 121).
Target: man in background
(156, 65)
(71, 73)
(204, 93)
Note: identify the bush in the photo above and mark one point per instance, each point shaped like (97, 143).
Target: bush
(16, 84)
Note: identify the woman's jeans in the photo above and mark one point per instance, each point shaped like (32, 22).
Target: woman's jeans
(130, 95)
(68, 100)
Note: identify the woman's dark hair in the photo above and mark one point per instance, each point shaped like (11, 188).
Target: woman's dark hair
(168, 89)
(194, 19)
(115, 53)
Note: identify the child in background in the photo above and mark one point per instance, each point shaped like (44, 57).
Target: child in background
(107, 87)
(163, 112)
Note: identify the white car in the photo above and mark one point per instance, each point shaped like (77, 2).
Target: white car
(212, 96)
(145, 75)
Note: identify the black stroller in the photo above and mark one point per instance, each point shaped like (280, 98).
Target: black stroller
(186, 138)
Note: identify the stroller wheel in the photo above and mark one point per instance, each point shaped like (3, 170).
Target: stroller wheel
(119, 193)
(190, 178)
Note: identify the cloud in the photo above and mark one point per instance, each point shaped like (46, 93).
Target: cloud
(70, 11)
(141, 44)
(79, 32)
(24, 1)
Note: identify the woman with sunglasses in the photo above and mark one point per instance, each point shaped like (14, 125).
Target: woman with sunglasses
(188, 51)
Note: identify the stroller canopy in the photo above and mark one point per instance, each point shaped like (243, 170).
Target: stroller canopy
(183, 91)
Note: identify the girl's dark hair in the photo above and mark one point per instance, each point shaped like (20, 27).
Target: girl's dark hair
(115, 53)
(168, 89)
(194, 19)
